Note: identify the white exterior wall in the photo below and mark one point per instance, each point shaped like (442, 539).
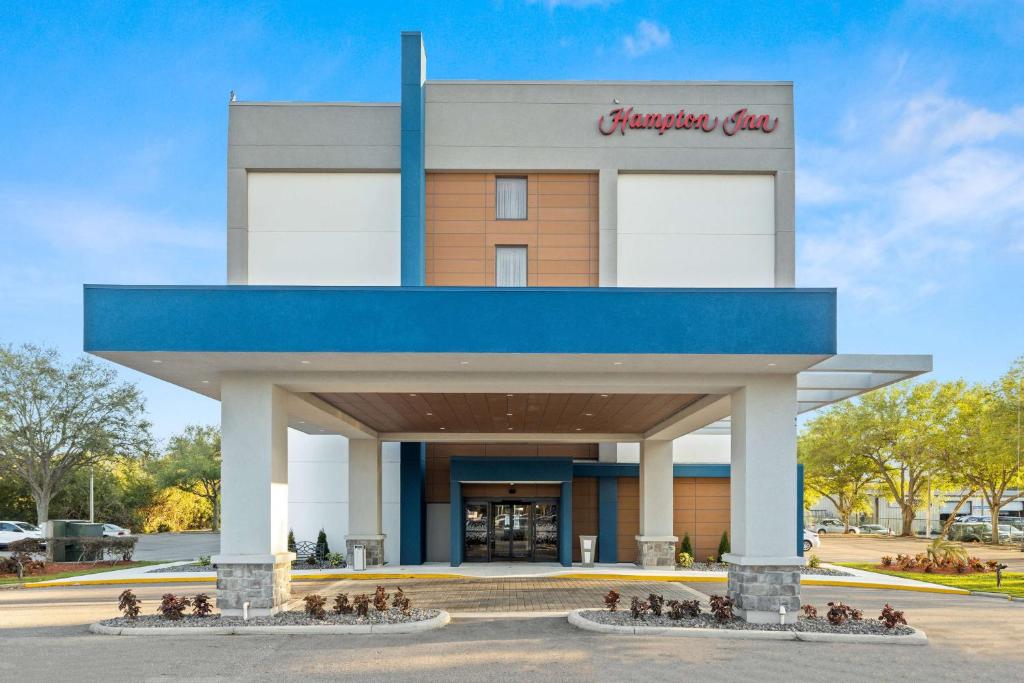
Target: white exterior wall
(695, 230)
(318, 493)
(324, 228)
(712, 449)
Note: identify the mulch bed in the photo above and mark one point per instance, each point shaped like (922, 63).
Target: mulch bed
(724, 567)
(818, 625)
(950, 571)
(295, 618)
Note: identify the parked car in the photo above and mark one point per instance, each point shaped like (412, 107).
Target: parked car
(875, 529)
(811, 540)
(975, 532)
(115, 530)
(834, 526)
(11, 531)
(1014, 534)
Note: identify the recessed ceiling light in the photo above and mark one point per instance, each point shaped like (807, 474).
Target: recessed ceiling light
(157, 360)
(579, 429)
(322, 431)
(463, 362)
(604, 395)
(772, 365)
(206, 381)
(302, 422)
(304, 362)
(429, 414)
(618, 362)
(589, 414)
(443, 428)
(510, 429)
(510, 395)
(508, 414)
(412, 394)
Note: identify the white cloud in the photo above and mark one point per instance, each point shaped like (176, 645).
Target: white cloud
(893, 216)
(647, 37)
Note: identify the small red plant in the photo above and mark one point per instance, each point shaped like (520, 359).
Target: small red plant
(315, 605)
(721, 607)
(891, 617)
(992, 564)
(638, 608)
(810, 611)
(611, 601)
(838, 613)
(362, 605)
(380, 599)
(129, 604)
(341, 604)
(401, 602)
(172, 607)
(686, 608)
(886, 560)
(656, 603)
(960, 566)
(201, 606)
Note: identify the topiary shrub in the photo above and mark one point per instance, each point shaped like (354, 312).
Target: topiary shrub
(723, 545)
(291, 541)
(686, 546)
(322, 549)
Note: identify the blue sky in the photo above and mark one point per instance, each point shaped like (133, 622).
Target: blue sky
(910, 141)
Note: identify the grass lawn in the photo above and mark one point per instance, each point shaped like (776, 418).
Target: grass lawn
(1013, 582)
(77, 572)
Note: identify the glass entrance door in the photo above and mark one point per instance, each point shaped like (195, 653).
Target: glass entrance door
(512, 531)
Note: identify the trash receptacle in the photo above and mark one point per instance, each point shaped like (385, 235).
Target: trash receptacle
(359, 558)
(588, 550)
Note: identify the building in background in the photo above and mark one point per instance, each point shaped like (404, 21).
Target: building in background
(475, 324)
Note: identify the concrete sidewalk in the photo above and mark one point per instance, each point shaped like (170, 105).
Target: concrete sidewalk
(622, 572)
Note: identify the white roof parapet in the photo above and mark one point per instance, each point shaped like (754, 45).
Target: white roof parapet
(845, 376)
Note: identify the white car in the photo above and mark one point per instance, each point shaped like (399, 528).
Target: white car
(17, 531)
(811, 540)
(115, 530)
(834, 526)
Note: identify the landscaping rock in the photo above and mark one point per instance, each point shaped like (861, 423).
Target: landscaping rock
(724, 567)
(294, 618)
(819, 625)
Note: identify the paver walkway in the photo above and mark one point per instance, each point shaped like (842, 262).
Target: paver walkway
(516, 594)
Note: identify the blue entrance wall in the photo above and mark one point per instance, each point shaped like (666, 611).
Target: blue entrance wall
(412, 475)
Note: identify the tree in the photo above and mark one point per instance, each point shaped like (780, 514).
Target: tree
(901, 432)
(990, 460)
(56, 418)
(192, 464)
(832, 467)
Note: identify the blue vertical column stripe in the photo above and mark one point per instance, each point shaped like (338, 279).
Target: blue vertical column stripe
(411, 504)
(413, 160)
(565, 526)
(607, 519)
(800, 510)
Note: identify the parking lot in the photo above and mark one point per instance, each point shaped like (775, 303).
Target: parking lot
(862, 548)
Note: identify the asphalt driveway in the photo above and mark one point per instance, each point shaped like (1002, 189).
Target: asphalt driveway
(183, 546)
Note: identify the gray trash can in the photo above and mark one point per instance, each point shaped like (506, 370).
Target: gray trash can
(359, 558)
(588, 550)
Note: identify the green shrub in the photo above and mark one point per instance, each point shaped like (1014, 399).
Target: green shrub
(685, 560)
(291, 541)
(204, 561)
(723, 545)
(322, 549)
(686, 546)
(335, 559)
(813, 561)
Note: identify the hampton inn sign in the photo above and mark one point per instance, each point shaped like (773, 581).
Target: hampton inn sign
(623, 118)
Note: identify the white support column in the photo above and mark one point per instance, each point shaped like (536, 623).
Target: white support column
(254, 563)
(365, 518)
(656, 544)
(764, 568)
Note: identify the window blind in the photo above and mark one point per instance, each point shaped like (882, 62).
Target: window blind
(510, 269)
(510, 200)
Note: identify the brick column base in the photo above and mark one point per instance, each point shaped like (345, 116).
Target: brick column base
(759, 590)
(266, 586)
(374, 549)
(659, 551)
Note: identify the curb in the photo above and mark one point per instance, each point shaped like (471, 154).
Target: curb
(440, 621)
(998, 596)
(918, 637)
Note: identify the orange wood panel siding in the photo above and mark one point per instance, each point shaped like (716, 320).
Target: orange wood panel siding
(700, 508)
(560, 231)
(437, 481)
(584, 512)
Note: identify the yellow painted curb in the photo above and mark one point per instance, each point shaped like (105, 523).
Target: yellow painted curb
(115, 582)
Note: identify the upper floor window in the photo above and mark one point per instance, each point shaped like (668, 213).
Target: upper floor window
(510, 199)
(510, 266)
